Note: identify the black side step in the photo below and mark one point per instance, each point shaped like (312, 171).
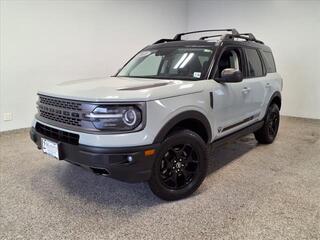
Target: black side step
(236, 135)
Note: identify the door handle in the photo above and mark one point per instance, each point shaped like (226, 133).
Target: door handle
(246, 90)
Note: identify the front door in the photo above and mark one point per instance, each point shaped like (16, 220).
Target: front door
(231, 100)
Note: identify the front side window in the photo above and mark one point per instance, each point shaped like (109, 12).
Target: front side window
(254, 63)
(230, 58)
(169, 63)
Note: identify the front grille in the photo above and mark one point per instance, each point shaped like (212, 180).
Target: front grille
(60, 118)
(60, 103)
(57, 135)
(60, 110)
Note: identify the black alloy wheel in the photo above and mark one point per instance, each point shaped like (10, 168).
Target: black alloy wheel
(273, 124)
(180, 167)
(268, 132)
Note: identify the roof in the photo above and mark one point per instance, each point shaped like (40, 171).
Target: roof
(183, 43)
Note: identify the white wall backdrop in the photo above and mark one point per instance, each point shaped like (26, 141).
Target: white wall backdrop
(290, 28)
(47, 42)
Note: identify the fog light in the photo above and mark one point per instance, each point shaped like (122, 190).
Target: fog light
(129, 158)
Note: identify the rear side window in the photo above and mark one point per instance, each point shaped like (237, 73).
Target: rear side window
(254, 63)
(269, 60)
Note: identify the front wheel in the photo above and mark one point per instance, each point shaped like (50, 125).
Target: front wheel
(180, 167)
(268, 132)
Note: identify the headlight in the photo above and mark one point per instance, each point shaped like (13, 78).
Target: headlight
(130, 117)
(116, 118)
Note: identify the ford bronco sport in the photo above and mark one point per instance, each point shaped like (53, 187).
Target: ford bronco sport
(154, 120)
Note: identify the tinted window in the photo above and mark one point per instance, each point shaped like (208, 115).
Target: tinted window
(270, 65)
(254, 63)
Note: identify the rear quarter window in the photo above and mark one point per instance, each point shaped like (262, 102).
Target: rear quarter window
(269, 61)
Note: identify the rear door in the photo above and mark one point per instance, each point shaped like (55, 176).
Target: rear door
(256, 81)
(273, 81)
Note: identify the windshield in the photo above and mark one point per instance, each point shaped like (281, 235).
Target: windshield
(169, 63)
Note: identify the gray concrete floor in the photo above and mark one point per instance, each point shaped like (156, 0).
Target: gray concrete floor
(251, 192)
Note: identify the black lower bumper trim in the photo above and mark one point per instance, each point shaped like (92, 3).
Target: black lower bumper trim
(127, 164)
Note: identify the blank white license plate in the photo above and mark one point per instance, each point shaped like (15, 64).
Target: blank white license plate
(50, 148)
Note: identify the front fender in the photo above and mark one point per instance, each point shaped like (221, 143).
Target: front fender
(186, 115)
(161, 112)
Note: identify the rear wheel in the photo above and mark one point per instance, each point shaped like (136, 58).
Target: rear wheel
(269, 130)
(180, 167)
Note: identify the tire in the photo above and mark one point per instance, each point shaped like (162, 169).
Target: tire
(268, 132)
(180, 167)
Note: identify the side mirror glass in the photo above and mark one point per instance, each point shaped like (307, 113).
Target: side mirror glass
(230, 75)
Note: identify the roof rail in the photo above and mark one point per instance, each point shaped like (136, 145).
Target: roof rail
(163, 40)
(211, 36)
(245, 36)
(179, 35)
(229, 36)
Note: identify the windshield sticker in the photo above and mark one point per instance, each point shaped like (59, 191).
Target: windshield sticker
(197, 74)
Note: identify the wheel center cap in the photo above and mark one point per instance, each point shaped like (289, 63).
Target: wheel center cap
(178, 165)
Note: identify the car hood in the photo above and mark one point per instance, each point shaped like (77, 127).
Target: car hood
(115, 89)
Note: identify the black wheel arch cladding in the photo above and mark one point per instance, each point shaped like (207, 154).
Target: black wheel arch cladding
(275, 98)
(193, 117)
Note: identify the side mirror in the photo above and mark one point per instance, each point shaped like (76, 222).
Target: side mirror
(230, 75)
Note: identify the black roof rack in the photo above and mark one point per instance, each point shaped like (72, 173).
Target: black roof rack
(245, 36)
(229, 36)
(211, 36)
(179, 35)
(163, 40)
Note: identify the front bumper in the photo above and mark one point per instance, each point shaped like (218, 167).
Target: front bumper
(112, 162)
